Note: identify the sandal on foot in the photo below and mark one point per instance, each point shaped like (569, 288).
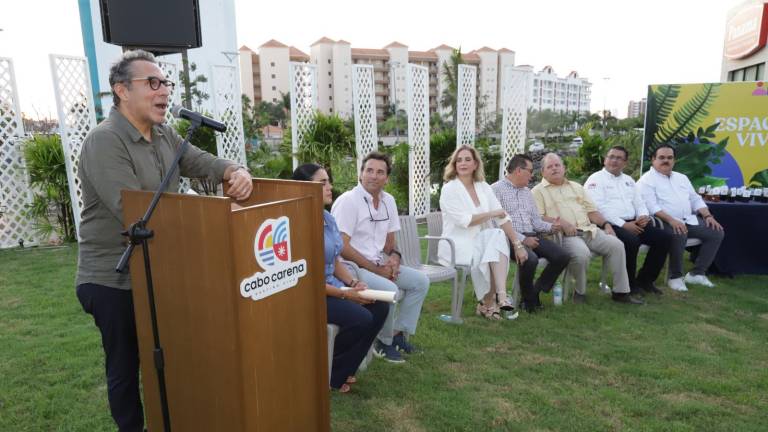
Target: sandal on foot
(345, 388)
(489, 313)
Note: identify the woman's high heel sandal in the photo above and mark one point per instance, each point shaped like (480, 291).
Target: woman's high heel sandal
(490, 313)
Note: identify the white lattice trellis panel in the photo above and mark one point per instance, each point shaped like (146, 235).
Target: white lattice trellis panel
(465, 105)
(364, 100)
(303, 79)
(514, 94)
(228, 106)
(15, 194)
(417, 94)
(74, 103)
(171, 72)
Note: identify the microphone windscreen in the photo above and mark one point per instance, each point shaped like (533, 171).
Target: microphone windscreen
(176, 110)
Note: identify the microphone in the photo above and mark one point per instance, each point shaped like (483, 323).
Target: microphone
(195, 117)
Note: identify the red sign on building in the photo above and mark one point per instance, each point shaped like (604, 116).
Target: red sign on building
(746, 31)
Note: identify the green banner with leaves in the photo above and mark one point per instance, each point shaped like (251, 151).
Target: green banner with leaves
(719, 131)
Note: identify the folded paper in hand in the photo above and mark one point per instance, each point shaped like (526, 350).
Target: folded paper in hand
(378, 295)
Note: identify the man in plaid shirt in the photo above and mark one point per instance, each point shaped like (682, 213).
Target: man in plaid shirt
(517, 201)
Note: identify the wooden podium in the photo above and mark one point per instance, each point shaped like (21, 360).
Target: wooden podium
(233, 363)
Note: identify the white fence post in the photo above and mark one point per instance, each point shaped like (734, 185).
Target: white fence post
(364, 102)
(74, 103)
(514, 93)
(15, 194)
(303, 79)
(229, 110)
(466, 101)
(417, 85)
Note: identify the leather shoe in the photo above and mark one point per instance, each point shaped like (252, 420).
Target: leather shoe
(650, 288)
(626, 298)
(579, 298)
(531, 307)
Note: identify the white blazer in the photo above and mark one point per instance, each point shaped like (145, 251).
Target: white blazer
(457, 208)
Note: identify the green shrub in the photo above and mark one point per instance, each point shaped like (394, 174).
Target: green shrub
(398, 180)
(265, 162)
(51, 206)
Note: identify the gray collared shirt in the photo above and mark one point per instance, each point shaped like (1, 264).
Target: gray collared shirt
(115, 156)
(519, 204)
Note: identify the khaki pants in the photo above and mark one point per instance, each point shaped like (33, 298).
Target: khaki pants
(581, 247)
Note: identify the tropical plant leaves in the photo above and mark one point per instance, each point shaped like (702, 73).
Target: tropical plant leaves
(760, 178)
(687, 118)
(695, 153)
(664, 100)
(660, 104)
(47, 171)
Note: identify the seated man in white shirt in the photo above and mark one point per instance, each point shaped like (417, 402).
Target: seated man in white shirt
(367, 218)
(618, 199)
(670, 196)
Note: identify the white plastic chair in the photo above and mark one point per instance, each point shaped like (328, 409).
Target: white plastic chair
(408, 245)
(333, 330)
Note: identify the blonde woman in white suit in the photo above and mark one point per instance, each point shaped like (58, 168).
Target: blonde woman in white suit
(474, 219)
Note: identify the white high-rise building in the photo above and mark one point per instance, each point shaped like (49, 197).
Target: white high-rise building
(569, 94)
(334, 60)
(636, 108)
(264, 76)
(488, 80)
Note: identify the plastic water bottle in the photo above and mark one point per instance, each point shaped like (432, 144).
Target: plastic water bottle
(557, 294)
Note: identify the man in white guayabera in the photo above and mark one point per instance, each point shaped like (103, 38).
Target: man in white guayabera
(670, 196)
(367, 218)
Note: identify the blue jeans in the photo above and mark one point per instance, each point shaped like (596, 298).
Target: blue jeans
(413, 286)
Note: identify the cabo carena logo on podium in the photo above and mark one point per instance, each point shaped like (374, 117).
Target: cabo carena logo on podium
(272, 248)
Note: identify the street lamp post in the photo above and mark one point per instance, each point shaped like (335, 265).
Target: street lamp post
(605, 95)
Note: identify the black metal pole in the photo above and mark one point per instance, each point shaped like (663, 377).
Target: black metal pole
(138, 235)
(158, 351)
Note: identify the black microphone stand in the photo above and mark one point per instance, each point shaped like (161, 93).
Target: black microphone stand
(138, 234)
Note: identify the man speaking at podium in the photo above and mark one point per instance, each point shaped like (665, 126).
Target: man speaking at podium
(131, 149)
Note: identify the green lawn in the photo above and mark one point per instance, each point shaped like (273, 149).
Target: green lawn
(683, 362)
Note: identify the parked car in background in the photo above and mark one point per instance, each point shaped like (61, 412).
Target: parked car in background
(576, 143)
(535, 146)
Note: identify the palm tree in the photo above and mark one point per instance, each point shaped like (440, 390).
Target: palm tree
(285, 103)
(450, 71)
(327, 142)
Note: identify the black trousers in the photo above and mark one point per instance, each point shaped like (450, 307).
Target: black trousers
(358, 327)
(112, 311)
(557, 259)
(658, 241)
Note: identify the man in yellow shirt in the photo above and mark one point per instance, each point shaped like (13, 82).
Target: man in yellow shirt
(585, 230)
